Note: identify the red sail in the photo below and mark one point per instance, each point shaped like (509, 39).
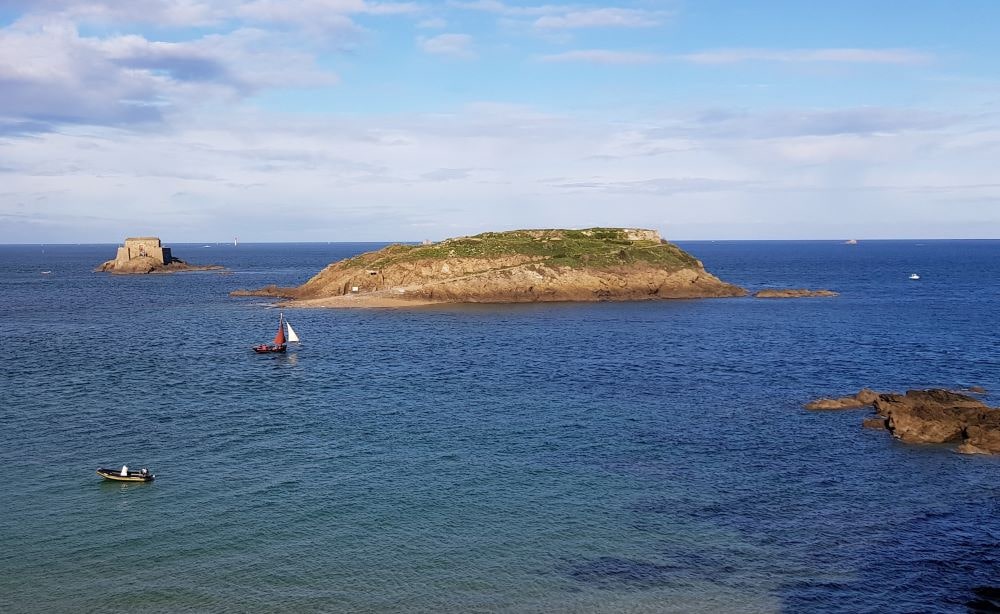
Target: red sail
(279, 339)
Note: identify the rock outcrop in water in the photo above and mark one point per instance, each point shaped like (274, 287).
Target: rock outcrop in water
(794, 293)
(143, 255)
(597, 264)
(928, 416)
(864, 398)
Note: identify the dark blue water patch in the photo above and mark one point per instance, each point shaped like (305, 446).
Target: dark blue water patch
(928, 563)
(984, 600)
(617, 572)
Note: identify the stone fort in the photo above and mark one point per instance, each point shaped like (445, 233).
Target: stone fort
(138, 247)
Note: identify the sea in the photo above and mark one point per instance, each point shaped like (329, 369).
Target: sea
(602, 457)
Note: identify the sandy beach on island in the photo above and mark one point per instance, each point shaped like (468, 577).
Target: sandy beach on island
(358, 301)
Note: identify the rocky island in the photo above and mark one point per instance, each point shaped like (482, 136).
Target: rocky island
(595, 264)
(142, 255)
(928, 416)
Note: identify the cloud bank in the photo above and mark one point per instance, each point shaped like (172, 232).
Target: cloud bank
(359, 120)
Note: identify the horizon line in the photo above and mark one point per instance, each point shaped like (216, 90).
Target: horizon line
(225, 243)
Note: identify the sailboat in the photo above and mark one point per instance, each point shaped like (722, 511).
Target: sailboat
(280, 343)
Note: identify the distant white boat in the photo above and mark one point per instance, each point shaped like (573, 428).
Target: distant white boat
(46, 272)
(236, 241)
(914, 276)
(851, 242)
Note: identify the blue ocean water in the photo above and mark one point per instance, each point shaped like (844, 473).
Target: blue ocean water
(640, 457)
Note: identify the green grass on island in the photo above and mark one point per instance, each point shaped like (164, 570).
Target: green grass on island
(591, 247)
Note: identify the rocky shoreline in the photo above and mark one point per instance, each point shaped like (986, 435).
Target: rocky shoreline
(145, 266)
(935, 415)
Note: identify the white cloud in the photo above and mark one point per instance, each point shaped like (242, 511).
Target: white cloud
(313, 15)
(321, 18)
(566, 17)
(603, 56)
(446, 174)
(453, 45)
(491, 166)
(433, 23)
(160, 12)
(502, 8)
(600, 18)
(52, 75)
(320, 11)
(862, 121)
(662, 186)
(859, 56)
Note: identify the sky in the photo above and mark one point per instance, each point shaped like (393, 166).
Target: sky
(356, 120)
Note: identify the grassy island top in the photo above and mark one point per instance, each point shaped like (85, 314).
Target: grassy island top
(590, 247)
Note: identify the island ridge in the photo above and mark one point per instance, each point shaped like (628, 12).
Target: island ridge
(520, 266)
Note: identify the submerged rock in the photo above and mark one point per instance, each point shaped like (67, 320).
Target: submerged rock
(864, 398)
(610, 571)
(833, 404)
(271, 291)
(793, 293)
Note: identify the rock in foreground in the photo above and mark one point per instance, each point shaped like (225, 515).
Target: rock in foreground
(941, 416)
(928, 416)
(597, 264)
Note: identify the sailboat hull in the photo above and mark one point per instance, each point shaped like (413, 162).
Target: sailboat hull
(270, 349)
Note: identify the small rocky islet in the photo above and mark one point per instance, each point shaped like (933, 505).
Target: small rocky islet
(145, 255)
(934, 415)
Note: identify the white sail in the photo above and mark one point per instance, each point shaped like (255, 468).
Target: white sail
(292, 337)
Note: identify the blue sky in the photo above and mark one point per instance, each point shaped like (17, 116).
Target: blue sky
(342, 120)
